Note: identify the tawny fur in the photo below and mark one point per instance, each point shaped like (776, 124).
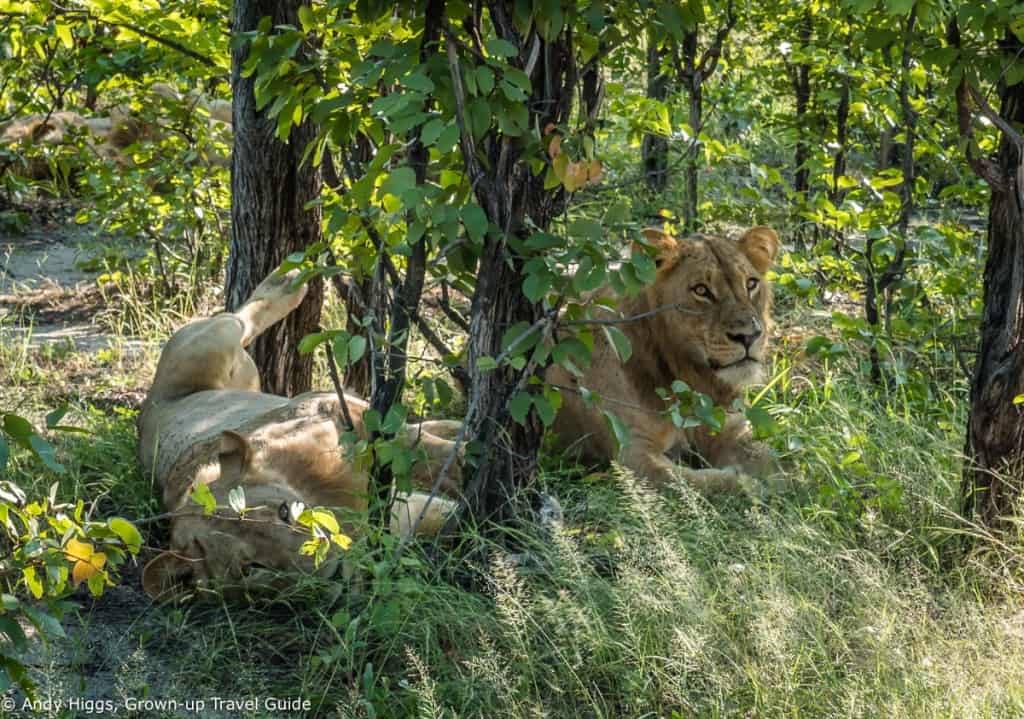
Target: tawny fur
(701, 345)
(205, 421)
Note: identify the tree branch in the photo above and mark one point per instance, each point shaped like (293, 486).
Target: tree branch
(709, 60)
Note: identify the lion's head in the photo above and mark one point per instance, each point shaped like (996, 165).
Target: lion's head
(281, 471)
(226, 549)
(724, 301)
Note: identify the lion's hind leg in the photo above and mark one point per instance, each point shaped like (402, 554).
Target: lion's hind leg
(209, 354)
(271, 301)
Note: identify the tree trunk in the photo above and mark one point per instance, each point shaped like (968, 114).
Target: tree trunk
(691, 216)
(516, 204)
(842, 124)
(695, 90)
(992, 482)
(654, 150)
(389, 379)
(801, 77)
(270, 187)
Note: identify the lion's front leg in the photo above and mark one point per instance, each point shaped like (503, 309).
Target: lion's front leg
(648, 460)
(734, 446)
(436, 451)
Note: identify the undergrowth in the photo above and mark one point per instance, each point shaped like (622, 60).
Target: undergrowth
(851, 592)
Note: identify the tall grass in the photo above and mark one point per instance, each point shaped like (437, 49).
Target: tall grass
(851, 593)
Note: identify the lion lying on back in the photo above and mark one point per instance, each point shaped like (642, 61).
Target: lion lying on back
(706, 321)
(206, 422)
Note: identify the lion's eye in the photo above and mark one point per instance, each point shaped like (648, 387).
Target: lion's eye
(703, 291)
(752, 284)
(284, 513)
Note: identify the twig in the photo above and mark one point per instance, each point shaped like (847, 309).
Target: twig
(332, 370)
(678, 307)
(449, 311)
(996, 119)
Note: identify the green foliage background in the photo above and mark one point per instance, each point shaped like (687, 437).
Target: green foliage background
(858, 591)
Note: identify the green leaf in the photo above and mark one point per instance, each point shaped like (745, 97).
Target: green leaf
(475, 221)
(763, 423)
(485, 364)
(13, 630)
(371, 420)
(520, 405)
(394, 420)
(448, 139)
(496, 47)
(545, 410)
(585, 227)
(33, 581)
(310, 342)
(431, 131)
(619, 431)
(621, 343)
(127, 533)
(19, 429)
(202, 496)
(398, 181)
(44, 451)
(536, 285)
(306, 18)
(53, 418)
(485, 79)
(512, 92)
(419, 82)
(47, 624)
(356, 348)
(5, 454)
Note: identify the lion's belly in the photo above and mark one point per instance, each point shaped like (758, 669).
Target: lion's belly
(169, 429)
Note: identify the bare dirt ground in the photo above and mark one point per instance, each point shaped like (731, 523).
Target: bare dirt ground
(46, 296)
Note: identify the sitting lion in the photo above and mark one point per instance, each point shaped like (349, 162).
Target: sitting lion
(205, 421)
(704, 321)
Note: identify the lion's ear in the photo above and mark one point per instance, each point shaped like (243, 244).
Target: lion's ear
(666, 246)
(235, 455)
(760, 245)
(167, 576)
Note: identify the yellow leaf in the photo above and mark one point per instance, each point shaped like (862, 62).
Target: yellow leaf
(342, 540)
(575, 176)
(76, 550)
(84, 571)
(595, 171)
(555, 146)
(559, 165)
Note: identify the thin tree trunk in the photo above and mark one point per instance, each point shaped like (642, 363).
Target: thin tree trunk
(839, 159)
(654, 150)
(801, 78)
(390, 376)
(994, 475)
(879, 284)
(691, 213)
(270, 187)
(695, 89)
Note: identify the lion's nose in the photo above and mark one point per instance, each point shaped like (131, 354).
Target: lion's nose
(746, 338)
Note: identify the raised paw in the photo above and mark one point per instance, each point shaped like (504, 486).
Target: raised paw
(277, 290)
